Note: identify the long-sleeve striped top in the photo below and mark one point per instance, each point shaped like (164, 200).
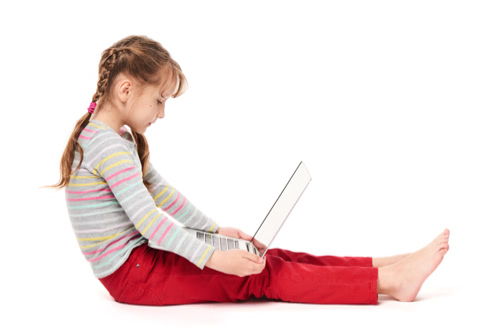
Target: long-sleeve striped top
(112, 211)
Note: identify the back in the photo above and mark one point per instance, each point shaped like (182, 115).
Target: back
(112, 211)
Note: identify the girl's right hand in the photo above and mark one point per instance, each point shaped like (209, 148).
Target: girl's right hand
(236, 262)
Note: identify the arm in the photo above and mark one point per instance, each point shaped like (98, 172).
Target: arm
(173, 202)
(111, 159)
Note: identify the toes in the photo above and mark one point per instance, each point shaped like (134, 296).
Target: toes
(441, 240)
(442, 252)
(444, 236)
(442, 245)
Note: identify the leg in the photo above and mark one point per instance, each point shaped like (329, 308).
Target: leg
(164, 278)
(302, 257)
(379, 262)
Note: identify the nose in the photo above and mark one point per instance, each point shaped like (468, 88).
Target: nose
(161, 113)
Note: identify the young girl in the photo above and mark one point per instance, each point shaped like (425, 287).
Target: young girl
(117, 201)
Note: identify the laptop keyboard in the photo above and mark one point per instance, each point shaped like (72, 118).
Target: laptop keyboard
(222, 243)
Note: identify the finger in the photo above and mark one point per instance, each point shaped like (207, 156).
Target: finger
(255, 259)
(245, 236)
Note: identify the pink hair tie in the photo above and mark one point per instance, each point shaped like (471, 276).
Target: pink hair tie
(91, 108)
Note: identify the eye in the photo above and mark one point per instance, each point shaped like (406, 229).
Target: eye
(159, 102)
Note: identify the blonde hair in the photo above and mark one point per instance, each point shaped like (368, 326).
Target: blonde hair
(142, 59)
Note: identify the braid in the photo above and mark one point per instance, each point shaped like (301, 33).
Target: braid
(107, 64)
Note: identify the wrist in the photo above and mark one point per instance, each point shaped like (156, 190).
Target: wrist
(211, 263)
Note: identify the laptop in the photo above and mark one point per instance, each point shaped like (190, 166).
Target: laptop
(271, 225)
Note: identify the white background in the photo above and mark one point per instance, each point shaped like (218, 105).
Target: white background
(388, 103)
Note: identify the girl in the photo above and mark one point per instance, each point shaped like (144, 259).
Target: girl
(116, 202)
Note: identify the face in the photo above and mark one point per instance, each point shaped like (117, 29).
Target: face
(148, 105)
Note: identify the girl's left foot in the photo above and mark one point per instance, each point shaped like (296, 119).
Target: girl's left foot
(409, 274)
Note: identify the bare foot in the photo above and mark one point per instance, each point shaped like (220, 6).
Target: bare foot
(410, 273)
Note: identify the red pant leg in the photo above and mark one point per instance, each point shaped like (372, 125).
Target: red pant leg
(303, 257)
(156, 277)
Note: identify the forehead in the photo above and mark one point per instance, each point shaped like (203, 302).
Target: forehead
(168, 86)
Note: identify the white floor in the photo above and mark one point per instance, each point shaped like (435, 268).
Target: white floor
(442, 307)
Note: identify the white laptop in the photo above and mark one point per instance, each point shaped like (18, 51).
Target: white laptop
(271, 225)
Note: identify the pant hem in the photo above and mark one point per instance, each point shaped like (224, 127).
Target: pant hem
(373, 286)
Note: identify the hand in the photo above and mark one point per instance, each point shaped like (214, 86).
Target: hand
(236, 262)
(236, 233)
(233, 232)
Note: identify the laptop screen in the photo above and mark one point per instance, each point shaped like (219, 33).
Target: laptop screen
(282, 207)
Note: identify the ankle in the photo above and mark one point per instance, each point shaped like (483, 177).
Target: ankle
(386, 280)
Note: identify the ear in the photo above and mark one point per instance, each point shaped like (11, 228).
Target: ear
(123, 89)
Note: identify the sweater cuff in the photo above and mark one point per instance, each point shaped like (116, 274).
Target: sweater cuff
(212, 228)
(201, 257)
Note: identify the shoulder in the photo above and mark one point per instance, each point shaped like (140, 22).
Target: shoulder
(104, 146)
(107, 140)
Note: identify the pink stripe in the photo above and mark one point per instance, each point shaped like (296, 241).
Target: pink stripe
(174, 202)
(85, 137)
(109, 252)
(93, 198)
(83, 192)
(121, 171)
(121, 238)
(105, 254)
(181, 206)
(90, 130)
(155, 230)
(165, 232)
(123, 180)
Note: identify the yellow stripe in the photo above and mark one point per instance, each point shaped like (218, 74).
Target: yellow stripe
(116, 164)
(203, 255)
(87, 184)
(109, 157)
(160, 193)
(92, 245)
(145, 217)
(83, 177)
(150, 223)
(95, 125)
(212, 228)
(169, 196)
(104, 238)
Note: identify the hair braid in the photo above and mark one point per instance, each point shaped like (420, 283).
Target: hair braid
(107, 64)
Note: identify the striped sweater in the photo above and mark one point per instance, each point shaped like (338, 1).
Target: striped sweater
(112, 212)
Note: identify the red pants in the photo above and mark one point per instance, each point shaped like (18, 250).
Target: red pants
(157, 277)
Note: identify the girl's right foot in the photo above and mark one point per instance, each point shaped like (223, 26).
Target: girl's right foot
(408, 275)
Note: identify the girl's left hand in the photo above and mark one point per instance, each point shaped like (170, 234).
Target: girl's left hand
(233, 232)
